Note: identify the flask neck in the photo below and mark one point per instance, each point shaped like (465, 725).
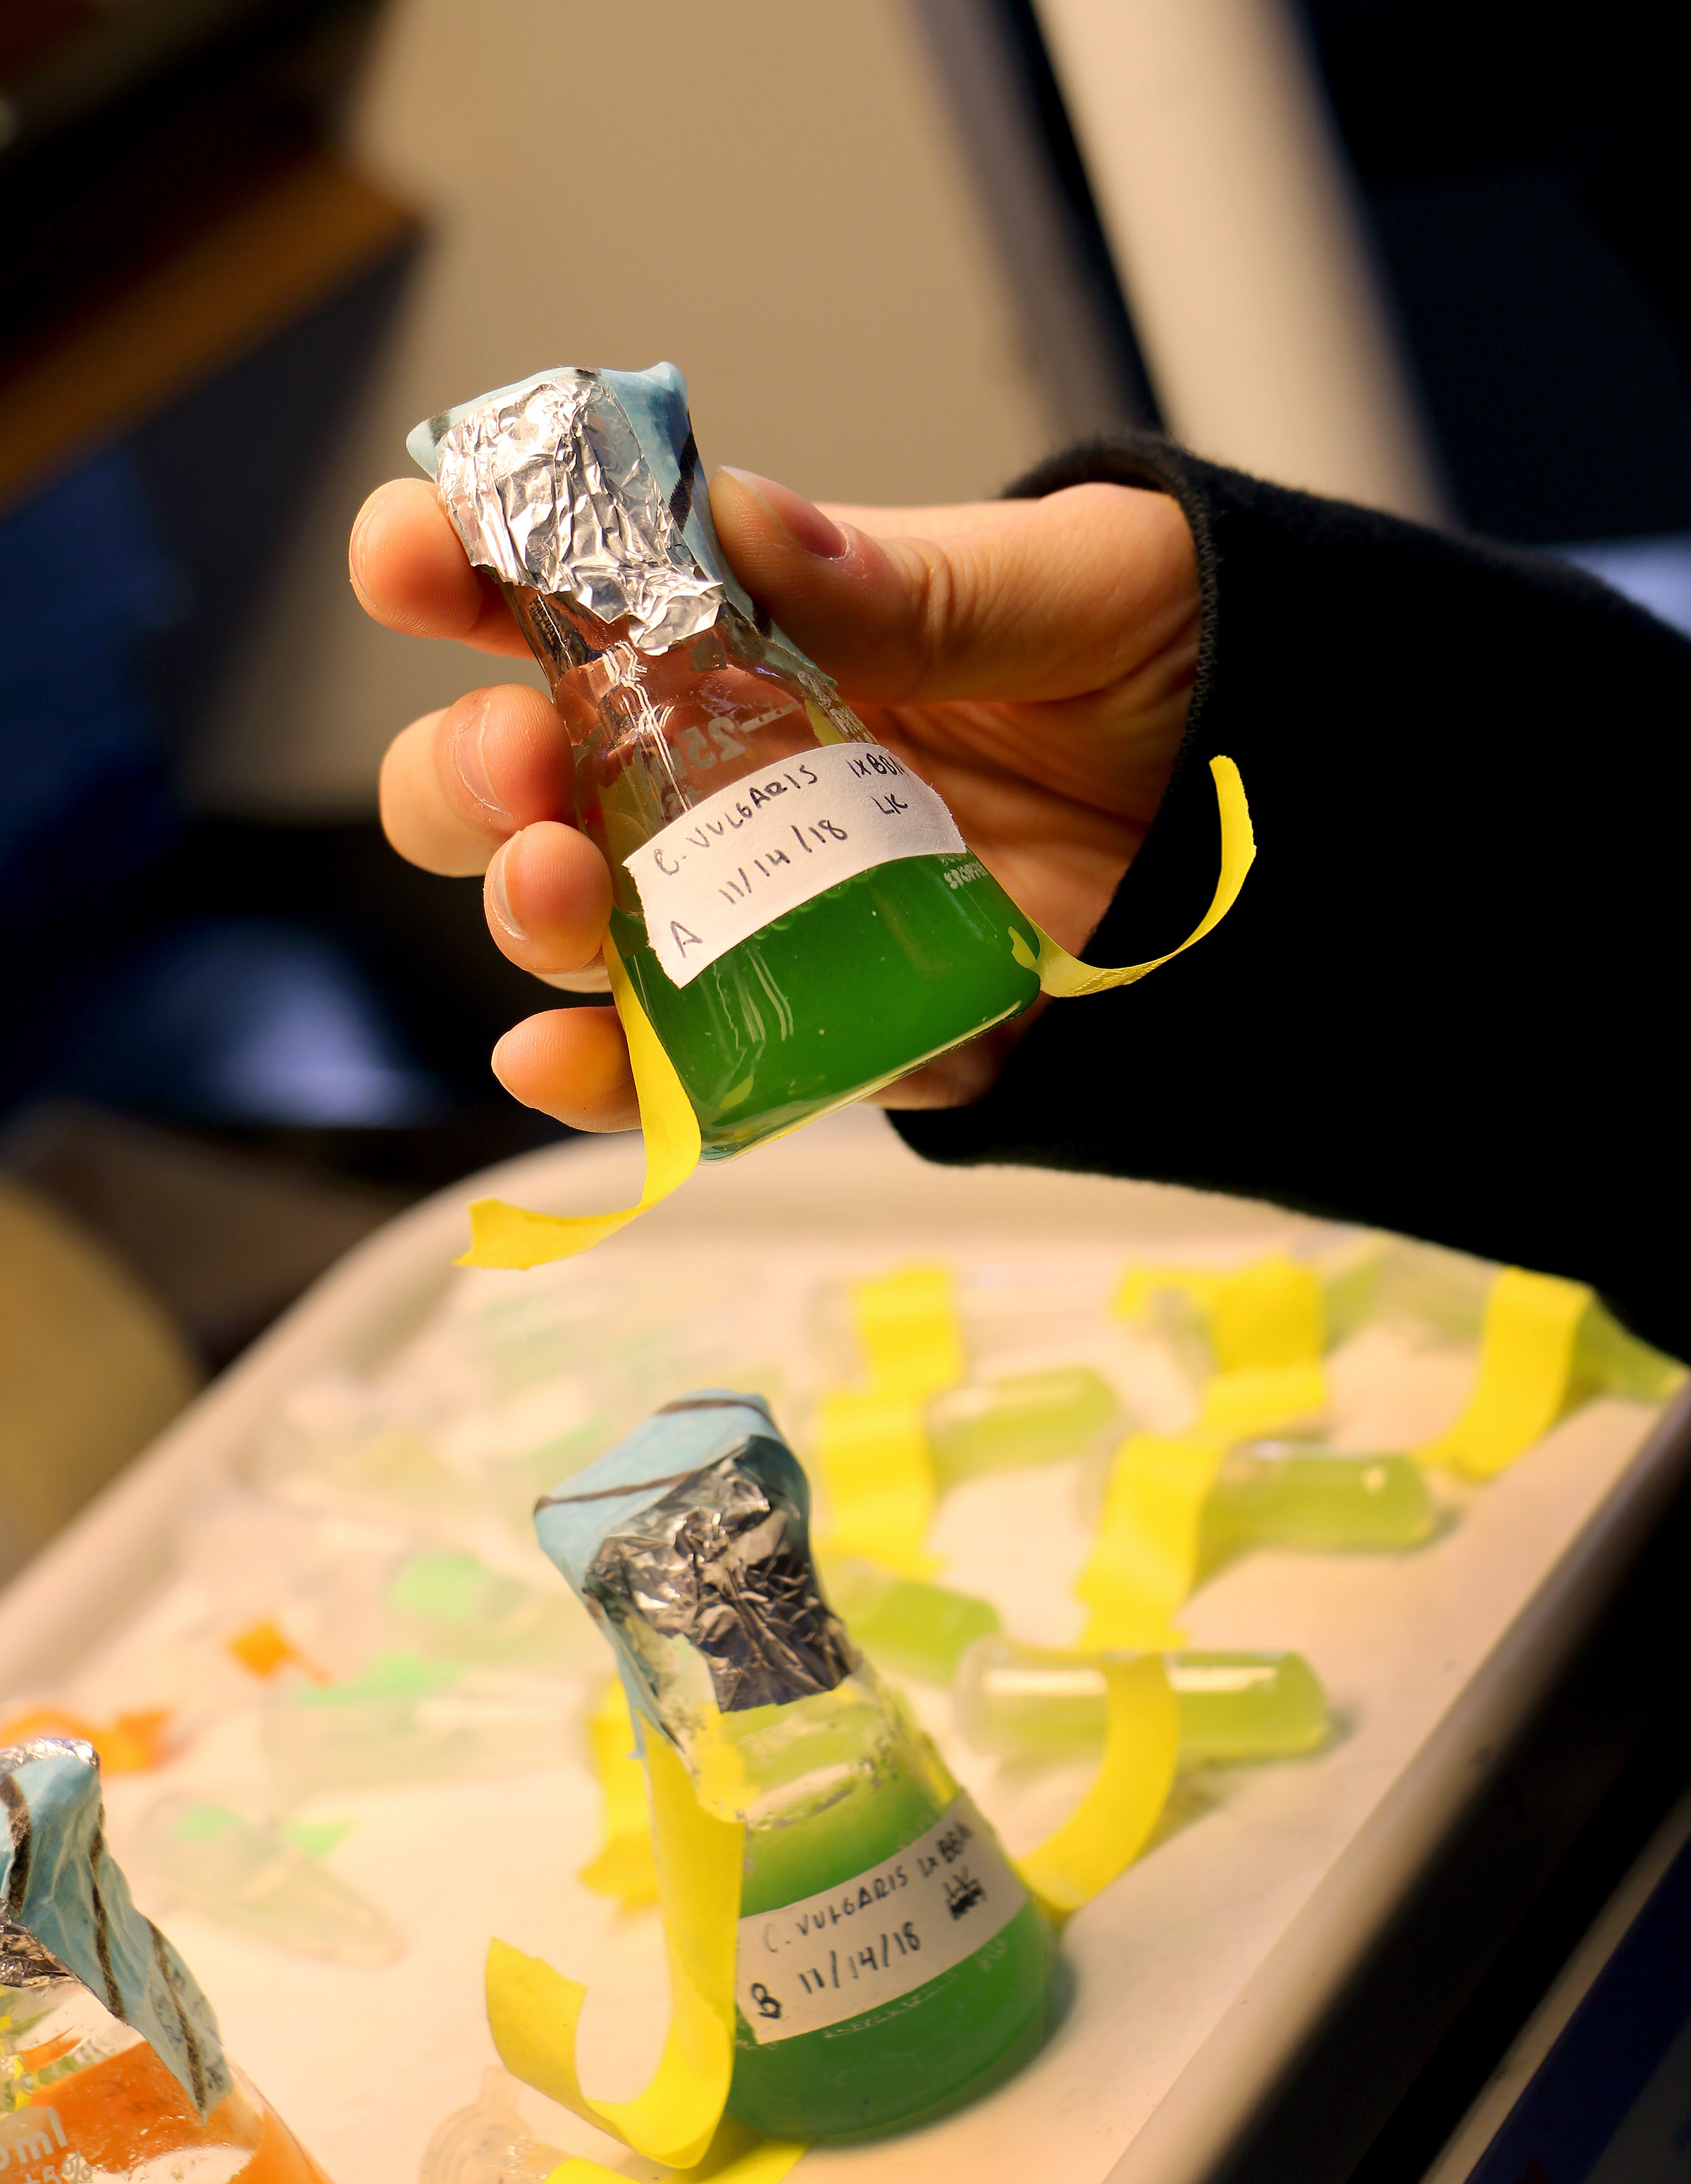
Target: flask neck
(49, 2032)
(572, 645)
(775, 1768)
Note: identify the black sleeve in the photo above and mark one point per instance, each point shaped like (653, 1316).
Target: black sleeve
(1444, 1002)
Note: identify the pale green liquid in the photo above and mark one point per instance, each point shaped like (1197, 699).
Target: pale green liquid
(1326, 1500)
(1029, 1417)
(1026, 1700)
(906, 1625)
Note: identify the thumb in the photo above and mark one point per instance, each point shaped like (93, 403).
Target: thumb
(1048, 599)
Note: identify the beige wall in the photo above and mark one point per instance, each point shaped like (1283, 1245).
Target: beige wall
(765, 191)
(1224, 192)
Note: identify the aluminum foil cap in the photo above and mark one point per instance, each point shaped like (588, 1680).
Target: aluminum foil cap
(585, 485)
(689, 1544)
(68, 1914)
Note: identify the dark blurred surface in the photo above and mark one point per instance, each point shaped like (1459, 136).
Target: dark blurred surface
(127, 128)
(1525, 168)
(221, 1237)
(1556, 1816)
(233, 1046)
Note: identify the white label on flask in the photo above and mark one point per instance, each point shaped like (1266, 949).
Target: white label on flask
(770, 841)
(866, 1943)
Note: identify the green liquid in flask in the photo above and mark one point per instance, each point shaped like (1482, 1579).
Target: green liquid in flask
(839, 997)
(889, 1961)
(869, 1787)
(834, 997)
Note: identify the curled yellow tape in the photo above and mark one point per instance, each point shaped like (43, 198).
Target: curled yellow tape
(533, 2011)
(908, 1325)
(624, 1867)
(1111, 1825)
(1144, 1558)
(502, 1235)
(1262, 1317)
(737, 2154)
(872, 1453)
(872, 1446)
(1065, 977)
(1526, 1374)
(1262, 1399)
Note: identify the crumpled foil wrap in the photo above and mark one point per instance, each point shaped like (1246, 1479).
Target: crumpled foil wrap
(551, 490)
(723, 1562)
(23, 1962)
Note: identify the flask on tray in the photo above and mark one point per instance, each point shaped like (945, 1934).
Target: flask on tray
(890, 1961)
(111, 2067)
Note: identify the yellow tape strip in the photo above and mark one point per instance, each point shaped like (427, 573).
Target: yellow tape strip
(1262, 1399)
(1111, 1825)
(737, 2154)
(872, 1454)
(624, 1868)
(1144, 1558)
(1526, 1373)
(911, 1336)
(502, 1235)
(873, 1449)
(533, 2011)
(1063, 976)
(1267, 1315)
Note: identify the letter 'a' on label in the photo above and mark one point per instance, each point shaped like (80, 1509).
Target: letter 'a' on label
(767, 843)
(871, 1939)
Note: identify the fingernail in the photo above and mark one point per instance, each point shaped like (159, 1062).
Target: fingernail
(493, 1062)
(802, 520)
(361, 523)
(470, 756)
(498, 896)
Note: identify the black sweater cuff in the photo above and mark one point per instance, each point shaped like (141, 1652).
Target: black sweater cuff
(1441, 1003)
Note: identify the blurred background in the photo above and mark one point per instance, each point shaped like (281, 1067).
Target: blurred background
(1425, 255)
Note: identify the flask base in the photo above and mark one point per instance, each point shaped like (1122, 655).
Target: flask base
(942, 2047)
(844, 995)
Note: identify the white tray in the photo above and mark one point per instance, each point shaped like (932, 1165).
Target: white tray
(1194, 1979)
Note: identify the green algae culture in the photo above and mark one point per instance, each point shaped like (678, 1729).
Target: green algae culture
(890, 1963)
(1302, 1494)
(1024, 1417)
(908, 1625)
(1030, 1700)
(797, 911)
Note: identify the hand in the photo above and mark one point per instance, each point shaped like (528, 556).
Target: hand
(1032, 660)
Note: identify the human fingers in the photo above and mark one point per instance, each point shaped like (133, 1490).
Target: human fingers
(943, 521)
(456, 783)
(571, 1064)
(1060, 597)
(548, 899)
(411, 574)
